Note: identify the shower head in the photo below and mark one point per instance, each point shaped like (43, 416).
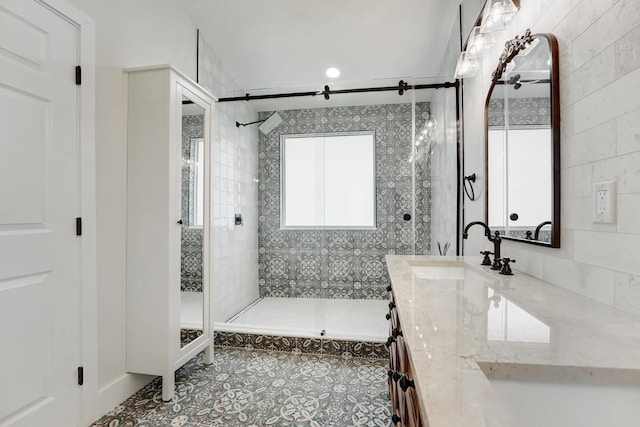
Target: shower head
(270, 124)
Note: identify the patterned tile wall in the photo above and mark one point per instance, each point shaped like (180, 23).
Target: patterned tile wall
(191, 259)
(346, 348)
(543, 236)
(522, 111)
(344, 263)
(191, 237)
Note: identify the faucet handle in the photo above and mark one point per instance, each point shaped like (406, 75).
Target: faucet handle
(506, 268)
(486, 260)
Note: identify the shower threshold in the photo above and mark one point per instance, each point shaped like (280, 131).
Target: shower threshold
(339, 319)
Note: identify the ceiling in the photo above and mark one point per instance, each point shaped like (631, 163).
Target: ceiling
(274, 45)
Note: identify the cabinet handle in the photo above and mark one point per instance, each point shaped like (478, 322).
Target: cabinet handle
(180, 221)
(406, 383)
(389, 288)
(392, 305)
(395, 419)
(396, 332)
(388, 316)
(389, 342)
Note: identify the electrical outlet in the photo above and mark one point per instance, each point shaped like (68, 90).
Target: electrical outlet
(604, 202)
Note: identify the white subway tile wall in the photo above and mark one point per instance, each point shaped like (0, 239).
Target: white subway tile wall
(234, 248)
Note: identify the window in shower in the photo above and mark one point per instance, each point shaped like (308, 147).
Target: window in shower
(328, 181)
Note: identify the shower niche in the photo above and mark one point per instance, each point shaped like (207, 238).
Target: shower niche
(168, 290)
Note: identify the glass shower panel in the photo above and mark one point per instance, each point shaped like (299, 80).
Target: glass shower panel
(423, 143)
(321, 284)
(443, 175)
(291, 220)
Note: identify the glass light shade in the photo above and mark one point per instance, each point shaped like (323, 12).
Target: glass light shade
(431, 124)
(479, 43)
(497, 15)
(466, 67)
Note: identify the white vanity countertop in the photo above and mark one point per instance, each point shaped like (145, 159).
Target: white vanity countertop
(462, 319)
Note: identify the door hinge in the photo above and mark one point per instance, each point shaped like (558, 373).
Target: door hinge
(78, 226)
(80, 375)
(78, 75)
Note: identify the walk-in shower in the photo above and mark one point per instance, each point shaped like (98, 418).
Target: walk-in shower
(331, 187)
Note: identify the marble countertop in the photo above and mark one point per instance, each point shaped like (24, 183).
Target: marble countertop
(470, 323)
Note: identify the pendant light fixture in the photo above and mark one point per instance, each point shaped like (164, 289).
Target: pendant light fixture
(466, 66)
(479, 43)
(497, 15)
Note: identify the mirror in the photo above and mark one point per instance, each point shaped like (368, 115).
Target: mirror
(522, 120)
(192, 208)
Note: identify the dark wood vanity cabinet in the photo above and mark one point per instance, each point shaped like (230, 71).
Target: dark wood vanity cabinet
(404, 399)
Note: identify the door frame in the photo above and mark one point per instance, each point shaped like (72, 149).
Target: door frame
(86, 95)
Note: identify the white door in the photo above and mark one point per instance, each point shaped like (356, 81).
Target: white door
(40, 339)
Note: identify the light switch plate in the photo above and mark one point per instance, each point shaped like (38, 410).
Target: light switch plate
(604, 202)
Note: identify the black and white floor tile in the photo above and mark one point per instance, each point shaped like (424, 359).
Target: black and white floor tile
(264, 388)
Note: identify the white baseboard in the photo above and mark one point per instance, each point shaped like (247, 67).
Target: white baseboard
(119, 390)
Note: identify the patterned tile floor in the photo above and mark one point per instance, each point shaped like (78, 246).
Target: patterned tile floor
(262, 388)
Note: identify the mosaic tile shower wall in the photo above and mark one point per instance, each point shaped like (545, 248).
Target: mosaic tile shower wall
(191, 237)
(344, 263)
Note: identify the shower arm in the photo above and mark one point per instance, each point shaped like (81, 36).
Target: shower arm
(238, 124)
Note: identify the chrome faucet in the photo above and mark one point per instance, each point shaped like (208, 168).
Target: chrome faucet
(496, 240)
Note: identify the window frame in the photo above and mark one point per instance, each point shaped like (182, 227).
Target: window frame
(283, 139)
(197, 174)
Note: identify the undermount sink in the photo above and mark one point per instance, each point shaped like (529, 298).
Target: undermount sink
(452, 269)
(567, 400)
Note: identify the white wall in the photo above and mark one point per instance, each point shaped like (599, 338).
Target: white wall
(128, 34)
(599, 81)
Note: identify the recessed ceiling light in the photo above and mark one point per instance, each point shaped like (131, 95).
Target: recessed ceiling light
(332, 72)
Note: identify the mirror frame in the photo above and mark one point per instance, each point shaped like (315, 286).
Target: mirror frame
(511, 50)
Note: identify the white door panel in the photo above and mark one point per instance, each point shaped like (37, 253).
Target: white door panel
(23, 156)
(39, 201)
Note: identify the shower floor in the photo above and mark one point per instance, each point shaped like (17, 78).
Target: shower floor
(308, 317)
